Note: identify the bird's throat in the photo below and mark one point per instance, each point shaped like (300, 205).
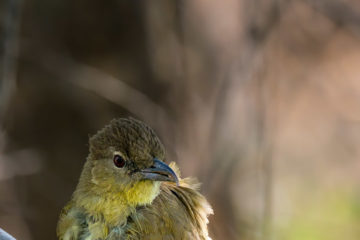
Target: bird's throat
(114, 207)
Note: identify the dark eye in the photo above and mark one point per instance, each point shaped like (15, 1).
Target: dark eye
(119, 161)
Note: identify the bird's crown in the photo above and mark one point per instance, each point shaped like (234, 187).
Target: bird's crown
(133, 139)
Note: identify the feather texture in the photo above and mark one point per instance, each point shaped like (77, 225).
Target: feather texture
(113, 203)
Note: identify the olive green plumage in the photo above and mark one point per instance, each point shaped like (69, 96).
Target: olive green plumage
(126, 191)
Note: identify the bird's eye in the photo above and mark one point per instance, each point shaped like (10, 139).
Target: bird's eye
(119, 161)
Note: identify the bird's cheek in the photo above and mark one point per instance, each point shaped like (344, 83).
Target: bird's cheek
(136, 176)
(97, 174)
(101, 176)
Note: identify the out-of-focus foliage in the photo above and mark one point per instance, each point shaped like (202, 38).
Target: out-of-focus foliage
(330, 216)
(257, 98)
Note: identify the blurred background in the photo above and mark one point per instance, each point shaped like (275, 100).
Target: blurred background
(257, 98)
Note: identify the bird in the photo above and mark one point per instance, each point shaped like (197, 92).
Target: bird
(126, 191)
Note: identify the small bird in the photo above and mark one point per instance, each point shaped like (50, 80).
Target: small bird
(127, 191)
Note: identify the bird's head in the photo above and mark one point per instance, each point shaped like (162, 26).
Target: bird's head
(127, 160)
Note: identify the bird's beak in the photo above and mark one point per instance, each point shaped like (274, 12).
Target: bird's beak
(159, 171)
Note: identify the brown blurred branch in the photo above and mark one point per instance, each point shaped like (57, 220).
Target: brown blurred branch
(261, 25)
(342, 13)
(9, 52)
(105, 86)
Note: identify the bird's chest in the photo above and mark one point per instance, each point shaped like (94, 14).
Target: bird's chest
(137, 226)
(100, 230)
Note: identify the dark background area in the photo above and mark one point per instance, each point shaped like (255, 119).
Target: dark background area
(259, 99)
